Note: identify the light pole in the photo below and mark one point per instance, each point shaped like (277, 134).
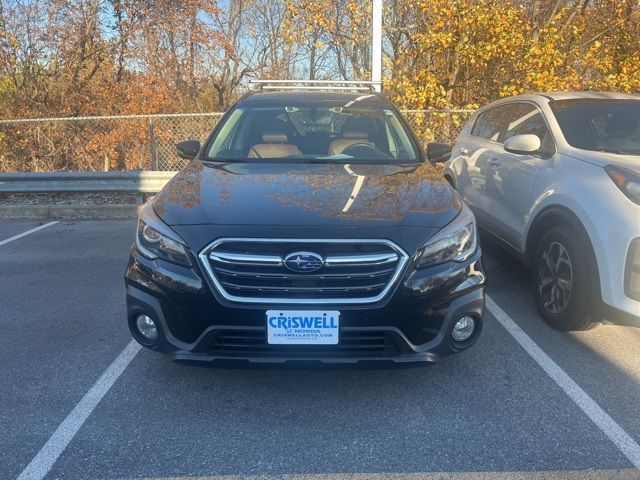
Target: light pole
(376, 44)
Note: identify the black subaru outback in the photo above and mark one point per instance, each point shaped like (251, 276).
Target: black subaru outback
(308, 227)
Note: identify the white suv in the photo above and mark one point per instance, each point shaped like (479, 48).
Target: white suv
(557, 178)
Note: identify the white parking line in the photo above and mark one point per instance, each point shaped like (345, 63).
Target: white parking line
(57, 443)
(66, 431)
(588, 405)
(28, 232)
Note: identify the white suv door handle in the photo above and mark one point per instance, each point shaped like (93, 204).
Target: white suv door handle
(494, 162)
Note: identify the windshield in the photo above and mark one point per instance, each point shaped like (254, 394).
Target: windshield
(600, 125)
(313, 132)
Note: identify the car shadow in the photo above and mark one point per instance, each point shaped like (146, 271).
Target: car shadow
(602, 360)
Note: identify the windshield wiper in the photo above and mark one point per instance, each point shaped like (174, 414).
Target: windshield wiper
(610, 150)
(618, 151)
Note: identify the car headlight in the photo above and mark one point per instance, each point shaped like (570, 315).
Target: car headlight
(155, 240)
(454, 243)
(626, 180)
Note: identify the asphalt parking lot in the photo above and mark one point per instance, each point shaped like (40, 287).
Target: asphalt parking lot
(78, 400)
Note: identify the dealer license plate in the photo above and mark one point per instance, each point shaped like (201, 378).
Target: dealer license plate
(303, 327)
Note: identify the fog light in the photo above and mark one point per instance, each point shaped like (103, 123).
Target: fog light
(147, 327)
(634, 283)
(463, 329)
(632, 271)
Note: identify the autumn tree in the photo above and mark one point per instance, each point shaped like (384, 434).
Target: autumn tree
(467, 52)
(112, 57)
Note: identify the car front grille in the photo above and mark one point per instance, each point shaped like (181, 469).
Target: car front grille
(358, 344)
(255, 271)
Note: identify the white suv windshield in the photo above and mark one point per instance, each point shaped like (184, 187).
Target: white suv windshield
(600, 125)
(311, 132)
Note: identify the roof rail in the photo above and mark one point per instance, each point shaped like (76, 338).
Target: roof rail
(341, 85)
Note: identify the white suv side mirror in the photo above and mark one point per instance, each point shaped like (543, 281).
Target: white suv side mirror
(523, 144)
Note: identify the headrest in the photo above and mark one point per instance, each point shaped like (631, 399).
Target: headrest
(620, 125)
(274, 138)
(352, 134)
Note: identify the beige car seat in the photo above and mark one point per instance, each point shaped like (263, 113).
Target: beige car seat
(348, 139)
(274, 146)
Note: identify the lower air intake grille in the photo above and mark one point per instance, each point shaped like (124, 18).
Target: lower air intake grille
(245, 343)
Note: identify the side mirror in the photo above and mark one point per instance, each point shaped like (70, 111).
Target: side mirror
(438, 152)
(188, 149)
(523, 144)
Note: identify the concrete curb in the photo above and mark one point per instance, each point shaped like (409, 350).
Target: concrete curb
(71, 212)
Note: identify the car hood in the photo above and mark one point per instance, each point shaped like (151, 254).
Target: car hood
(603, 159)
(269, 194)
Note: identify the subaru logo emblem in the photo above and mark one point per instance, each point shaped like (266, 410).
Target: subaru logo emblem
(303, 261)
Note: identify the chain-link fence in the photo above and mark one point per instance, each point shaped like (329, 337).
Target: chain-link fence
(144, 142)
(437, 125)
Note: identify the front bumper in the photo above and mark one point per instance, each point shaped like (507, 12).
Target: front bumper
(413, 324)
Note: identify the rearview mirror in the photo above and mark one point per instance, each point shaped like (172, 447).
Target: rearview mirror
(523, 144)
(438, 152)
(188, 149)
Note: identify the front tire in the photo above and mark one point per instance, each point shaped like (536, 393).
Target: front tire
(565, 279)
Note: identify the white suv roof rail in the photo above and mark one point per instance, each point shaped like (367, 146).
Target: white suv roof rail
(341, 85)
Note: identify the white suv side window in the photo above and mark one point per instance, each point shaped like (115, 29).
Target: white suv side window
(489, 123)
(525, 118)
(499, 123)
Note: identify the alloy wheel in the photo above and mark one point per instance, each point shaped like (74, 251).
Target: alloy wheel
(555, 277)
